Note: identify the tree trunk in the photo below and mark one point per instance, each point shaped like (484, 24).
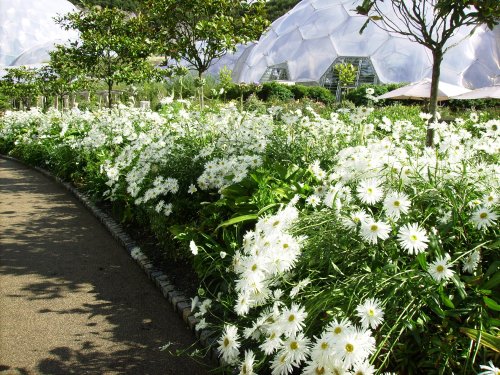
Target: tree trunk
(437, 55)
(202, 101)
(110, 88)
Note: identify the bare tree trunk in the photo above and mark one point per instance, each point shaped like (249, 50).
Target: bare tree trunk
(437, 55)
(110, 88)
(202, 101)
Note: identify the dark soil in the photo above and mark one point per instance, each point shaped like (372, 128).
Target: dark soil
(179, 271)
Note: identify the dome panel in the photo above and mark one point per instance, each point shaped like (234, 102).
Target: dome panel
(302, 43)
(28, 25)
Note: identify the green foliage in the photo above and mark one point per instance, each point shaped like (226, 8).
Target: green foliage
(347, 73)
(275, 91)
(127, 5)
(358, 94)
(277, 8)
(111, 47)
(200, 31)
(20, 85)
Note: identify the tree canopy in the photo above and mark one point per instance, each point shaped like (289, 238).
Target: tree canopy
(431, 23)
(111, 46)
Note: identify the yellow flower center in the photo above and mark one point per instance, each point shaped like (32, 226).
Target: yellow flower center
(440, 268)
(374, 228)
(483, 215)
(286, 246)
(397, 204)
(226, 342)
(349, 348)
(254, 267)
(319, 370)
(324, 345)
(413, 237)
(244, 368)
(294, 345)
(273, 335)
(490, 198)
(337, 330)
(291, 318)
(369, 190)
(276, 223)
(371, 312)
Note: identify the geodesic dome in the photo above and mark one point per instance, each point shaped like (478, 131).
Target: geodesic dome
(28, 30)
(306, 43)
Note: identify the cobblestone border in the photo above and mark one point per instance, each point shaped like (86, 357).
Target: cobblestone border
(179, 302)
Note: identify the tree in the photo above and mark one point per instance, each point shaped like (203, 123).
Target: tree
(431, 23)
(20, 85)
(202, 31)
(111, 47)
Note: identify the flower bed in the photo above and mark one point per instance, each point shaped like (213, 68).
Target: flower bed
(332, 243)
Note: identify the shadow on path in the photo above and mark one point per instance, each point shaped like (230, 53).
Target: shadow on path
(73, 302)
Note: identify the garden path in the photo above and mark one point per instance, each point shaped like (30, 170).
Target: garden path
(72, 301)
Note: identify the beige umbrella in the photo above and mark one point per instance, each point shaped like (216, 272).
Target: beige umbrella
(489, 92)
(422, 89)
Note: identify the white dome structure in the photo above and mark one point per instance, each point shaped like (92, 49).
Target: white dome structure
(28, 30)
(306, 43)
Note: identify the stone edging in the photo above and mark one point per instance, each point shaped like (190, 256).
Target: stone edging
(180, 303)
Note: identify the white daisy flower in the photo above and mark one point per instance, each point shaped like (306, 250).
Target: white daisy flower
(296, 348)
(229, 345)
(247, 363)
(352, 222)
(281, 365)
(483, 217)
(272, 342)
(355, 347)
(471, 262)
(440, 269)
(193, 248)
(489, 369)
(372, 231)
(192, 189)
(363, 368)
(490, 199)
(292, 320)
(339, 328)
(412, 238)
(369, 191)
(370, 313)
(396, 204)
(313, 200)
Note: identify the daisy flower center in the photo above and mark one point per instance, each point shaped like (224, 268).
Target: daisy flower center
(320, 370)
(374, 228)
(294, 345)
(226, 342)
(371, 312)
(276, 223)
(324, 345)
(349, 348)
(369, 190)
(397, 203)
(337, 331)
(483, 215)
(490, 199)
(286, 246)
(440, 268)
(291, 318)
(413, 237)
(254, 267)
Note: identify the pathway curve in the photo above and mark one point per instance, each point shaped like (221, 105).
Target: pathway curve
(71, 299)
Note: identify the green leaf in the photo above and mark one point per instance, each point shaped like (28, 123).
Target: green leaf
(484, 338)
(493, 282)
(422, 261)
(447, 302)
(491, 303)
(238, 219)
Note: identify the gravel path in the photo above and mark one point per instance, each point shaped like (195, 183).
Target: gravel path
(71, 299)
